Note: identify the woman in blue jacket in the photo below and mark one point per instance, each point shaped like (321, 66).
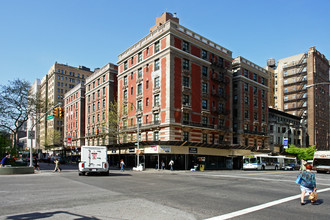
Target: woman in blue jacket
(308, 182)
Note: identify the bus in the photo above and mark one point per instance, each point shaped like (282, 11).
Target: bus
(321, 161)
(267, 162)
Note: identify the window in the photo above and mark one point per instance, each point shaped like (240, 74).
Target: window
(156, 82)
(125, 109)
(139, 121)
(185, 46)
(246, 114)
(246, 73)
(185, 99)
(204, 71)
(125, 65)
(185, 64)
(204, 104)
(255, 102)
(156, 65)
(255, 116)
(125, 94)
(140, 72)
(255, 90)
(157, 46)
(156, 136)
(185, 81)
(185, 117)
(139, 89)
(140, 57)
(235, 99)
(139, 105)
(263, 93)
(156, 118)
(204, 87)
(156, 100)
(254, 77)
(204, 54)
(246, 100)
(147, 101)
(185, 136)
(246, 87)
(204, 120)
(98, 93)
(98, 105)
(204, 138)
(147, 84)
(132, 90)
(147, 119)
(104, 78)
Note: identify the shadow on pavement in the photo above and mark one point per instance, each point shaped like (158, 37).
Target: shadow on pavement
(39, 215)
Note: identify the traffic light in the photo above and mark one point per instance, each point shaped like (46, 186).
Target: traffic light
(55, 112)
(97, 131)
(61, 112)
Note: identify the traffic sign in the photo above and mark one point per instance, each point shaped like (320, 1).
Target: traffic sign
(285, 142)
(31, 134)
(50, 117)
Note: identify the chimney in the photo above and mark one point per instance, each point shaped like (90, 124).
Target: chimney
(162, 19)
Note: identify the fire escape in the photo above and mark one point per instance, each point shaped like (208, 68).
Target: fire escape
(301, 81)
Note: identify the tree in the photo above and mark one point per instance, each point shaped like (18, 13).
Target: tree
(14, 110)
(4, 142)
(54, 138)
(112, 125)
(302, 153)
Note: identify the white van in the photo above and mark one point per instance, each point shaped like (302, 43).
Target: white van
(93, 160)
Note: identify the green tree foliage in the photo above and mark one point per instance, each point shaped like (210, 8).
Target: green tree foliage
(53, 138)
(302, 153)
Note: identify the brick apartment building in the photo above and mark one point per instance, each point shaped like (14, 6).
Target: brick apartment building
(250, 104)
(74, 117)
(294, 94)
(101, 90)
(60, 79)
(176, 85)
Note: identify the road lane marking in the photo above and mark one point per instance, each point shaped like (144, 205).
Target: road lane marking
(259, 207)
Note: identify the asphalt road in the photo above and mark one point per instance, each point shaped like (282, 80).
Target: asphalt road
(159, 195)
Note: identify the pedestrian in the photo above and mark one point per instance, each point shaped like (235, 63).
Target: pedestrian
(57, 166)
(4, 161)
(122, 165)
(303, 164)
(171, 163)
(162, 165)
(36, 164)
(307, 182)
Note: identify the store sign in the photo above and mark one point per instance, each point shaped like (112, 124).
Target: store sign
(154, 148)
(193, 150)
(113, 151)
(131, 150)
(164, 149)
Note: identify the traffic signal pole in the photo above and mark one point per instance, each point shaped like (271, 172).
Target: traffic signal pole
(36, 122)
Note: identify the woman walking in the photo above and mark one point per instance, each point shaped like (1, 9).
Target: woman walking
(307, 183)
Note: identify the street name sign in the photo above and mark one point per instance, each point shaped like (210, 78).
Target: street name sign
(50, 117)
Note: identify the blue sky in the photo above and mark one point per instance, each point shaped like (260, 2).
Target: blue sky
(34, 34)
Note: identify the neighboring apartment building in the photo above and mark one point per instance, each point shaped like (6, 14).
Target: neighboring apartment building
(74, 117)
(101, 90)
(299, 91)
(60, 79)
(34, 117)
(283, 125)
(176, 85)
(250, 104)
